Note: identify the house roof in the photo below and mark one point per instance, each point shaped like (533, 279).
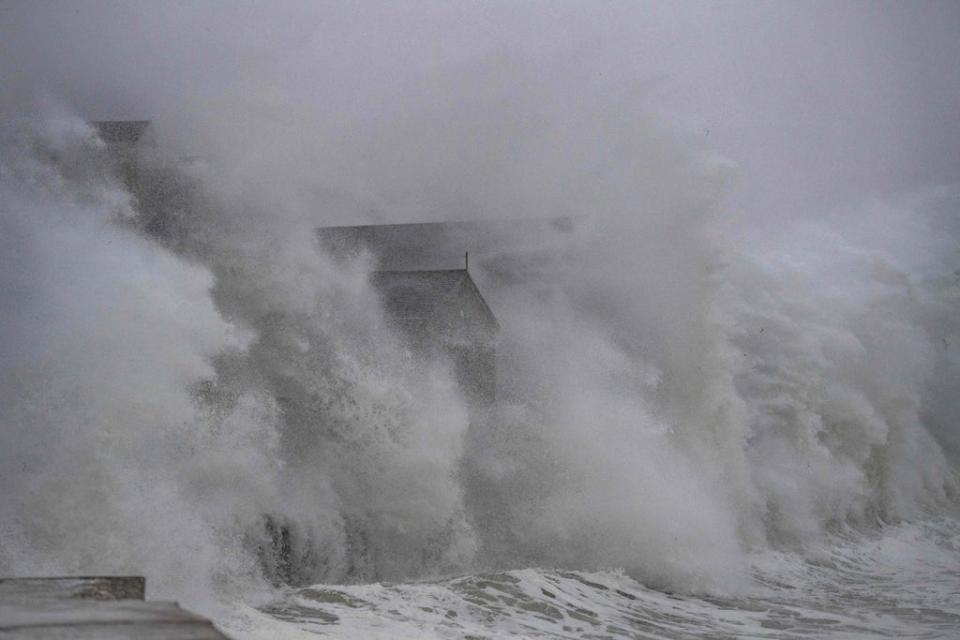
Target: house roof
(492, 243)
(112, 131)
(419, 295)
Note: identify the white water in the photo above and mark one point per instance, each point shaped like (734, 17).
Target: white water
(145, 432)
(903, 584)
(745, 424)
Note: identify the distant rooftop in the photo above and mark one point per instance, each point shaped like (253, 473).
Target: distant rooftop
(442, 244)
(121, 131)
(420, 295)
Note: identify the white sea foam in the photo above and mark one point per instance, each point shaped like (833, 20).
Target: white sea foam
(898, 584)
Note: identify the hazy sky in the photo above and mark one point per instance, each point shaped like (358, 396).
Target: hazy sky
(819, 103)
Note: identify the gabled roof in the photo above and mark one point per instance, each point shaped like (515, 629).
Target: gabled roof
(113, 131)
(492, 242)
(419, 295)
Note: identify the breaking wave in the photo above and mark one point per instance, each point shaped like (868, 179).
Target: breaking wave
(192, 390)
(836, 596)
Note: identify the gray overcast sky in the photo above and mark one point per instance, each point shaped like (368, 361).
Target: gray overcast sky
(820, 103)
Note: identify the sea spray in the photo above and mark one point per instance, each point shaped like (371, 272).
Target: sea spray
(256, 427)
(295, 441)
(104, 332)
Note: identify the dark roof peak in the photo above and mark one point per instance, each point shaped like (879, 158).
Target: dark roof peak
(439, 282)
(113, 131)
(412, 294)
(425, 271)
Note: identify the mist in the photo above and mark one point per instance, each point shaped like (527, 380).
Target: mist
(749, 341)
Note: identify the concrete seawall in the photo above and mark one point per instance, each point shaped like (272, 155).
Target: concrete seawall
(103, 607)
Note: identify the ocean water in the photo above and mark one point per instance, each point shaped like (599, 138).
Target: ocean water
(903, 582)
